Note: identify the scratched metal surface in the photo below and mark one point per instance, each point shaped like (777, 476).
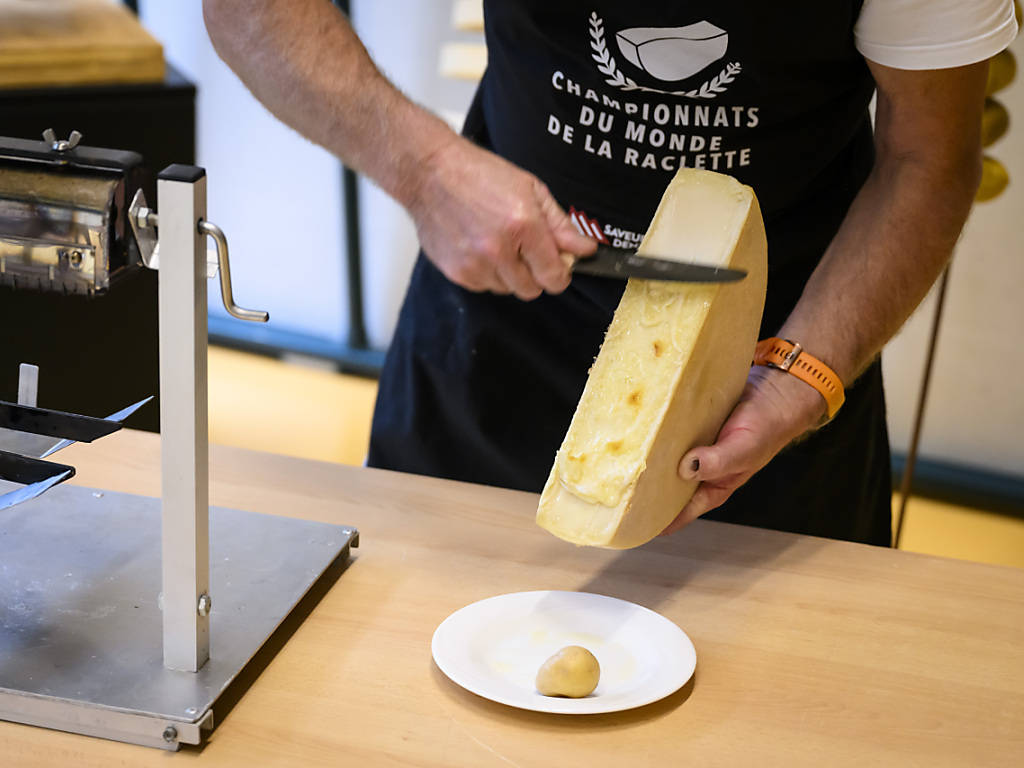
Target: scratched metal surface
(79, 585)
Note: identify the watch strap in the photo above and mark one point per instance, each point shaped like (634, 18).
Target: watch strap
(789, 356)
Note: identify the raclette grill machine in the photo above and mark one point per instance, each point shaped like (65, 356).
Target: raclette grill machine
(94, 583)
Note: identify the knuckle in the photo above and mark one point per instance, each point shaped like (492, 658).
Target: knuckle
(515, 223)
(516, 218)
(508, 260)
(558, 287)
(522, 283)
(528, 294)
(554, 281)
(486, 248)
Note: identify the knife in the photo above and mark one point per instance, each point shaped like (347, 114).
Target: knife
(618, 262)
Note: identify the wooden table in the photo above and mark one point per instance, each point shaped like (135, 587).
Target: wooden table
(810, 652)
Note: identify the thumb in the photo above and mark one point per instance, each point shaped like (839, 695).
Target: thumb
(734, 453)
(700, 463)
(567, 237)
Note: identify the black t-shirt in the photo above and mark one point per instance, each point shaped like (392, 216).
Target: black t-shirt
(603, 101)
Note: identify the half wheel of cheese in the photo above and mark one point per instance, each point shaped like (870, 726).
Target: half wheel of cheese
(672, 366)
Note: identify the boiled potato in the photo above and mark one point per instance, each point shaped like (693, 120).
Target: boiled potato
(572, 672)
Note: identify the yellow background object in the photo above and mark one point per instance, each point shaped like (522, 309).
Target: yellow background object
(313, 413)
(995, 121)
(1002, 68)
(994, 179)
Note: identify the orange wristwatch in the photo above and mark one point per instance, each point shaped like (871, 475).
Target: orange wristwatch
(790, 357)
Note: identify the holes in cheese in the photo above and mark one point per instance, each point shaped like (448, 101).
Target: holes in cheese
(672, 366)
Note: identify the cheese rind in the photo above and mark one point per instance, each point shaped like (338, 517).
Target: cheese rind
(671, 368)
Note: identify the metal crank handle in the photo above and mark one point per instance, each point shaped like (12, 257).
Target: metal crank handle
(256, 316)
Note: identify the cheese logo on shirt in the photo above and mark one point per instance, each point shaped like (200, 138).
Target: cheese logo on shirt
(651, 129)
(668, 54)
(673, 53)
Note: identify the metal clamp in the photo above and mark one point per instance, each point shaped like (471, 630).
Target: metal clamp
(144, 221)
(211, 229)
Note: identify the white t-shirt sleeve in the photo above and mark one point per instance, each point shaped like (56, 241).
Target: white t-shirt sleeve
(933, 34)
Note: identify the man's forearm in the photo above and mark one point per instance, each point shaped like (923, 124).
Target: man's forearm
(304, 62)
(486, 224)
(904, 223)
(893, 244)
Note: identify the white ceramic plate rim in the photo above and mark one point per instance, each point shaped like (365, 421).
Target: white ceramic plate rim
(453, 638)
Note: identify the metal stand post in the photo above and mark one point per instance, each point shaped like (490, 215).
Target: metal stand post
(183, 419)
(907, 481)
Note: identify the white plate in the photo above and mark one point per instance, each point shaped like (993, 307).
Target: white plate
(495, 647)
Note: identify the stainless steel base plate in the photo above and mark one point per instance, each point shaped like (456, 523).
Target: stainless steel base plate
(80, 623)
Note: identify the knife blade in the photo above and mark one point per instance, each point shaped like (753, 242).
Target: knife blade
(619, 262)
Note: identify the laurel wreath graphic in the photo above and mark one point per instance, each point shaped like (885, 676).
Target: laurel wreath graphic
(607, 66)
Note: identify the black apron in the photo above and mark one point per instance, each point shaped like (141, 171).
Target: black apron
(603, 101)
